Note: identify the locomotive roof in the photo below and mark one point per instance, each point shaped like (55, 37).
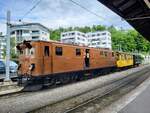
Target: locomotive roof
(56, 42)
(121, 52)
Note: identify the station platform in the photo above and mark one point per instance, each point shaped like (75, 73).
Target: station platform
(9, 87)
(141, 104)
(12, 75)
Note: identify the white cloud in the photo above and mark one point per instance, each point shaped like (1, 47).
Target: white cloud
(63, 13)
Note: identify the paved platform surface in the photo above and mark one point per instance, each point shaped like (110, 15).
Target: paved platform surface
(141, 104)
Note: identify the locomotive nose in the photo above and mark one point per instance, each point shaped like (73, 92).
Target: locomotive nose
(24, 65)
(31, 67)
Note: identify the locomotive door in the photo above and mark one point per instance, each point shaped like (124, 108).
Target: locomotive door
(47, 59)
(87, 58)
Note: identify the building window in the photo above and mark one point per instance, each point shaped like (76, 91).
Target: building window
(13, 32)
(58, 51)
(17, 32)
(83, 35)
(93, 35)
(98, 34)
(35, 37)
(103, 33)
(36, 31)
(63, 35)
(25, 31)
(78, 52)
(46, 50)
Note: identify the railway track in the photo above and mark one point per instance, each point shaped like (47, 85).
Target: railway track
(14, 78)
(120, 84)
(80, 102)
(27, 96)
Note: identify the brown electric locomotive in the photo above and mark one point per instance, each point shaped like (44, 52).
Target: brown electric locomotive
(44, 63)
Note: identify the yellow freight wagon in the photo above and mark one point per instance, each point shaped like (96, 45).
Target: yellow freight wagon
(124, 59)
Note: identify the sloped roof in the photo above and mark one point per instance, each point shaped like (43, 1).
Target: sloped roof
(30, 24)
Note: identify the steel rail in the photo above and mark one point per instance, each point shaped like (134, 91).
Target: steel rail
(125, 80)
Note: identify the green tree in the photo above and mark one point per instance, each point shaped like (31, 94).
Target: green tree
(126, 40)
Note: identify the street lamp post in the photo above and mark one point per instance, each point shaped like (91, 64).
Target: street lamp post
(0, 47)
(7, 78)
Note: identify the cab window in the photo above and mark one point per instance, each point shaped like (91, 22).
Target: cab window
(105, 54)
(32, 51)
(28, 51)
(46, 50)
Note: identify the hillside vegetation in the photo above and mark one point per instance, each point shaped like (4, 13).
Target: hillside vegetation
(125, 40)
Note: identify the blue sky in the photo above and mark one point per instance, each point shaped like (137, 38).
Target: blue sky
(60, 13)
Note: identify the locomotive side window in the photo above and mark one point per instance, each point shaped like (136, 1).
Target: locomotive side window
(58, 51)
(101, 53)
(78, 52)
(113, 54)
(117, 56)
(125, 57)
(122, 57)
(105, 54)
(46, 50)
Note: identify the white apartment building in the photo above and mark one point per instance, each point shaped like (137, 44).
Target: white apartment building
(2, 45)
(29, 31)
(99, 39)
(74, 37)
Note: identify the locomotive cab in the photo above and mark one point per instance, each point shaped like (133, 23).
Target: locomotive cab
(34, 61)
(27, 62)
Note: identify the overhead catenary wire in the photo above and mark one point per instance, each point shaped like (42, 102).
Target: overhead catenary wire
(127, 19)
(30, 10)
(92, 12)
(76, 3)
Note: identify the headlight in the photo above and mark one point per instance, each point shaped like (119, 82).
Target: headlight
(31, 67)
